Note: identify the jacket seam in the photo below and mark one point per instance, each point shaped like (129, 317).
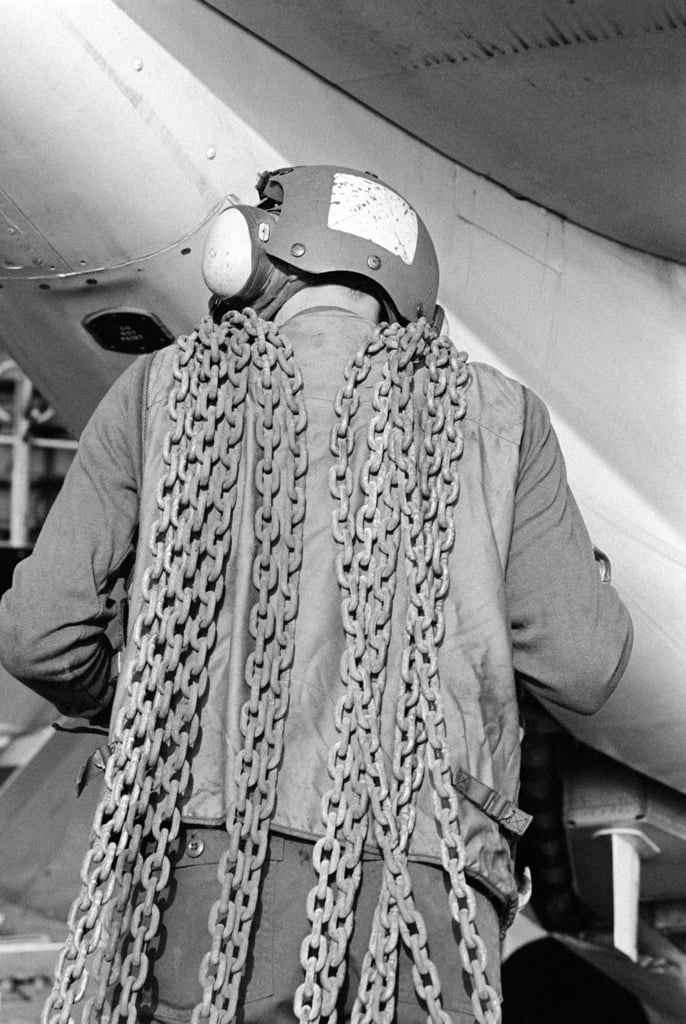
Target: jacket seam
(144, 418)
(494, 433)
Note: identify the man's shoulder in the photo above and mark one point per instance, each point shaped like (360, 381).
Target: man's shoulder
(159, 373)
(496, 403)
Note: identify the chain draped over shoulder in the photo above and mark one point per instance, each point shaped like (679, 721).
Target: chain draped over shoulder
(409, 488)
(409, 491)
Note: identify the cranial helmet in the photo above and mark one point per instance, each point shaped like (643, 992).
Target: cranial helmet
(323, 220)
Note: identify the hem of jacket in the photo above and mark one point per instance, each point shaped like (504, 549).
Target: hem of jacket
(505, 898)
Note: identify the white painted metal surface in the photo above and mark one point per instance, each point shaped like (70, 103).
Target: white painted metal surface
(577, 105)
(628, 845)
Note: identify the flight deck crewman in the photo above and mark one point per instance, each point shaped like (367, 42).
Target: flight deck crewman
(349, 549)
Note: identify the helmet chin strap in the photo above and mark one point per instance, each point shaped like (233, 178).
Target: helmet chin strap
(281, 284)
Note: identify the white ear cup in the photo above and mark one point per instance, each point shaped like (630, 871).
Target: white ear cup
(228, 259)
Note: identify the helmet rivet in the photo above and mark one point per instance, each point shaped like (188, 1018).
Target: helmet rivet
(298, 249)
(373, 262)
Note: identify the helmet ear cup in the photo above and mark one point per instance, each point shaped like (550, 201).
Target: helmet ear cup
(235, 265)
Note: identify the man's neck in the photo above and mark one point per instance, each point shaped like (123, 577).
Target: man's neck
(361, 303)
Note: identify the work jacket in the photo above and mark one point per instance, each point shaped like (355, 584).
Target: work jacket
(525, 606)
(477, 679)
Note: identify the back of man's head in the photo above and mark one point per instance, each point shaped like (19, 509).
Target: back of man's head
(320, 225)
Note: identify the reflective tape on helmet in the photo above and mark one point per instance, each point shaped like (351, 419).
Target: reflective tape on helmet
(368, 209)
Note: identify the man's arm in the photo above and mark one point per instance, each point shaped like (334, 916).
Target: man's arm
(571, 633)
(54, 617)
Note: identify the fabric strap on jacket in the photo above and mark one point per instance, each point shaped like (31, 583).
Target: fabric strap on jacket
(507, 814)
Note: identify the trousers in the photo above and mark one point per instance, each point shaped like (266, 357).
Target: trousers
(273, 971)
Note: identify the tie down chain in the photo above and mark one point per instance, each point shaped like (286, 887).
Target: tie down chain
(117, 911)
(408, 500)
(279, 535)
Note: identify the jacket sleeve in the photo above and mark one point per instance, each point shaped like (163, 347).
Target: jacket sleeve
(571, 633)
(54, 618)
